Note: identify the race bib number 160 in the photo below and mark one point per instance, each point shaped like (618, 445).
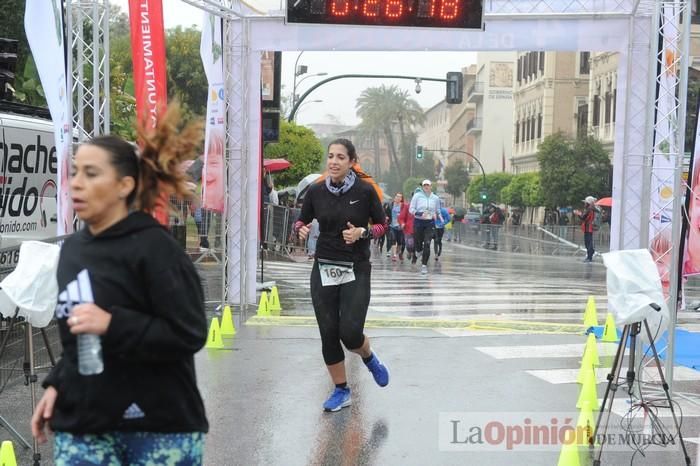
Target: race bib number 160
(336, 273)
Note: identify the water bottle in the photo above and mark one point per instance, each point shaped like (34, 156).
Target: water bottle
(90, 354)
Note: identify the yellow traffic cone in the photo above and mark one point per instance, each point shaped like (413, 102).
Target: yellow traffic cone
(589, 392)
(586, 366)
(609, 332)
(228, 329)
(7, 454)
(214, 340)
(274, 303)
(263, 305)
(591, 350)
(590, 315)
(585, 425)
(569, 455)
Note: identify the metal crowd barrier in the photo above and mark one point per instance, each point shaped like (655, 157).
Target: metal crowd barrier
(530, 239)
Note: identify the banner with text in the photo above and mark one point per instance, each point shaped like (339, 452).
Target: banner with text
(44, 29)
(148, 55)
(211, 51)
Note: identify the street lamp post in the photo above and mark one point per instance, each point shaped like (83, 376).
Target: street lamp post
(297, 72)
(294, 90)
(306, 103)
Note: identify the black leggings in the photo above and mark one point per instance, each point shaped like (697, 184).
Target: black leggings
(439, 232)
(341, 311)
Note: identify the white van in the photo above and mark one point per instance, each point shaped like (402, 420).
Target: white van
(28, 168)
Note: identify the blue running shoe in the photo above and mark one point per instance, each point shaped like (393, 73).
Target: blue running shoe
(379, 370)
(340, 398)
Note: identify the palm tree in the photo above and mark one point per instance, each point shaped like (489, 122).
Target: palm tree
(380, 108)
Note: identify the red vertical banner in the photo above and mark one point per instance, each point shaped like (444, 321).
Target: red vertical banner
(148, 55)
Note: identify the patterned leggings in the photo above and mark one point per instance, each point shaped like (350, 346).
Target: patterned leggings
(129, 448)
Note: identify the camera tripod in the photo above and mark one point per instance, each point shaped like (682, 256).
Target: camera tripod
(630, 333)
(30, 377)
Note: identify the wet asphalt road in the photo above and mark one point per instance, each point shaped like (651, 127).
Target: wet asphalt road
(264, 391)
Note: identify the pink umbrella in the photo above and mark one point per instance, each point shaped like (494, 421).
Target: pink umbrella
(276, 165)
(604, 202)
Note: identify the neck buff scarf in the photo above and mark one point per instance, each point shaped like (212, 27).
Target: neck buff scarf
(345, 187)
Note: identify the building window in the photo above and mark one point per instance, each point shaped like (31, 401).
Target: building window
(608, 105)
(582, 120)
(532, 129)
(596, 110)
(539, 126)
(584, 66)
(541, 62)
(517, 132)
(520, 68)
(526, 136)
(614, 104)
(526, 65)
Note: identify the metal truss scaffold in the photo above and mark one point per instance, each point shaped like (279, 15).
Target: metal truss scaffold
(235, 273)
(87, 25)
(637, 138)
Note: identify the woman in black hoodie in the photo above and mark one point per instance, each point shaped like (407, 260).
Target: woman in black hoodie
(125, 279)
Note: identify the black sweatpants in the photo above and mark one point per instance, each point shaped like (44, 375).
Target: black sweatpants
(341, 311)
(423, 233)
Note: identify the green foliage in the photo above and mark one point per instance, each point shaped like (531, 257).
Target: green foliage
(300, 146)
(409, 187)
(572, 170)
(495, 182)
(383, 110)
(457, 177)
(521, 189)
(533, 196)
(186, 78)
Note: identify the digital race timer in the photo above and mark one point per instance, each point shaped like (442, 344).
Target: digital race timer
(414, 13)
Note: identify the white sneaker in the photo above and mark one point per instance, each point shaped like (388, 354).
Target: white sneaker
(424, 269)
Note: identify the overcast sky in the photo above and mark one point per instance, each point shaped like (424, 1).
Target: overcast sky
(339, 96)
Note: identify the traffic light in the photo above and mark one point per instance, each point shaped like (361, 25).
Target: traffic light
(484, 196)
(8, 65)
(453, 92)
(419, 152)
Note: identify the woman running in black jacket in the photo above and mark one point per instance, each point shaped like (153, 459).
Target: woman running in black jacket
(340, 279)
(147, 306)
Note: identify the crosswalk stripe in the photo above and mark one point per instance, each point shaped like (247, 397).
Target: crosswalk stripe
(570, 350)
(560, 376)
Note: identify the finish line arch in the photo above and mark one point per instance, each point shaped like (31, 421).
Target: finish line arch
(627, 27)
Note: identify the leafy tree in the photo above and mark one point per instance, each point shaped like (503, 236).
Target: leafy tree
(301, 147)
(517, 192)
(495, 182)
(457, 177)
(186, 78)
(409, 187)
(572, 170)
(533, 196)
(381, 110)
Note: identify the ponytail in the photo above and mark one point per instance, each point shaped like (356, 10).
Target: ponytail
(163, 149)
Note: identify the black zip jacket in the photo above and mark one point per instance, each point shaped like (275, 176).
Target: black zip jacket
(358, 206)
(140, 275)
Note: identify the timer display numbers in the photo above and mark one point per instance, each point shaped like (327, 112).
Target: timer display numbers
(463, 14)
